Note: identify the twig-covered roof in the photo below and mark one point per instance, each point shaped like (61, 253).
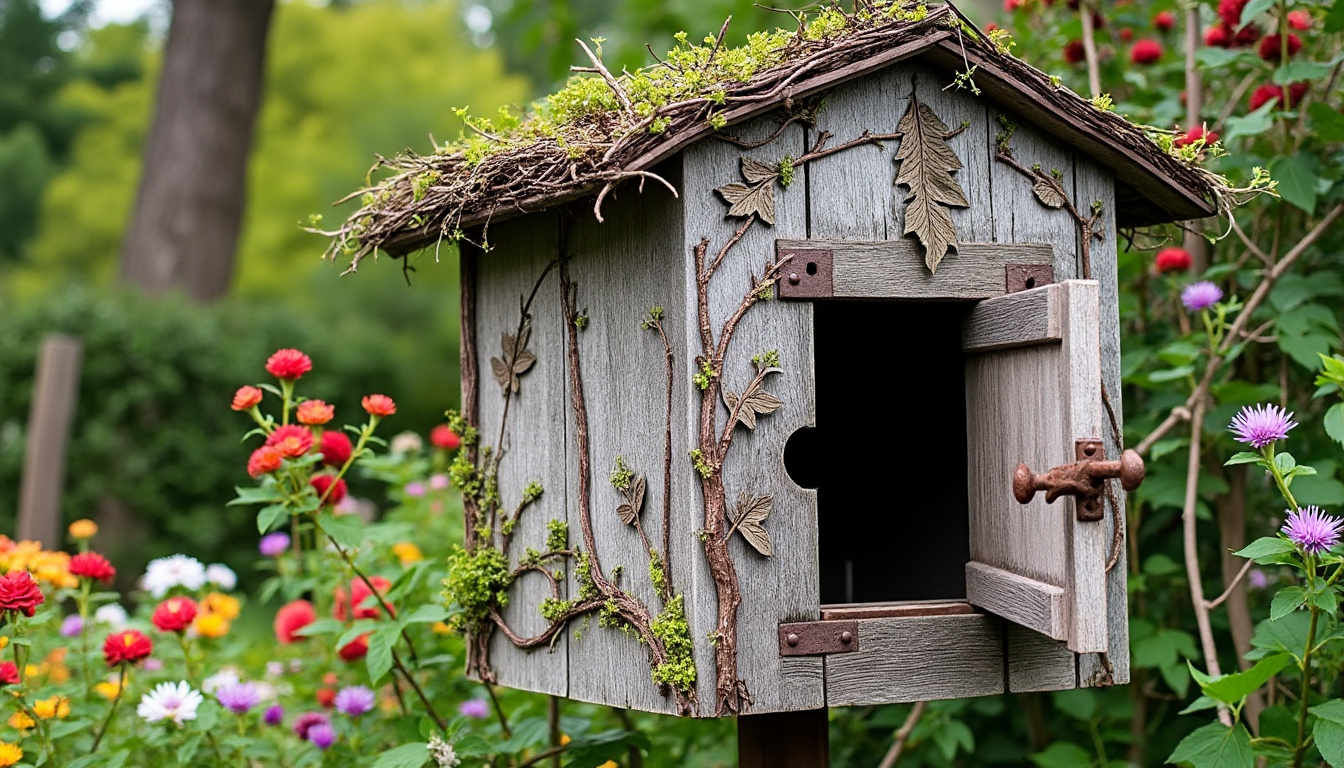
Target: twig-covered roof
(602, 130)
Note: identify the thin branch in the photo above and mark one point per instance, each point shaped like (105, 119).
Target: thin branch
(1090, 49)
(903, 735)
(1211, 604)
(606, 75)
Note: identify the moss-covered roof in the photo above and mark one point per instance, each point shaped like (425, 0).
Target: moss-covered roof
(602, 130)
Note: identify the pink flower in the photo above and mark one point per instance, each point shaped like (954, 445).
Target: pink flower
(1164, 21)
(1172, 260)
(1145, 52)
(379, 405)
(291, 441)
(288, 364)
(245, 398)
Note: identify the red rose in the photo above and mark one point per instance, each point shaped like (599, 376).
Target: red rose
(263, 460)
(314, 412)
(321, 483)
(245, 398)
(335, 448)
(288, 364)
(92, 565)
(1218, 36)
(1126, 35)
(291, 618)
(9, 674)
(1172, 260)
(1246, 36)
(126, 647)
(19, 592)
(1299, 20)
(1073, 52)
(1145, 52)
(1295, 93)
(444, 437)
(291, 441)
(174, 614)
(1266, 93)
(1164, 21)
(355, 649)
(326, 697)
(1193, 135)
(1271, 47)
(379, 405)
(1230, 12)
(361, 593)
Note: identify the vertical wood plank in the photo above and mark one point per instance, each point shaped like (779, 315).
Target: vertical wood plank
(55, 392)
(534, 442)
(972, 146)
(784, 740)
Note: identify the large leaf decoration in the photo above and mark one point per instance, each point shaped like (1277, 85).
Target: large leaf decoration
(755, 402)
(634, 502)
(926, 167)
(516, 360)
(1050, 194)
(756, 196)
(749, 517)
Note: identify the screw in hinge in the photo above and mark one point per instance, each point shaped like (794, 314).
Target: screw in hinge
(792, 640)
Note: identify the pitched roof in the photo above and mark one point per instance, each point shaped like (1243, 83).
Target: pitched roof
(431, 198)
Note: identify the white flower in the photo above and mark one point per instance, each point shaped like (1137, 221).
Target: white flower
(275, 668)
(176, 571)
(221, 576)
(111, 614)
(169, 701)
(406, 442)
(225, 676)
(442, 752)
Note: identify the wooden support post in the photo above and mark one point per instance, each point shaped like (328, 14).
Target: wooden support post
(784, 740)
(54, 395)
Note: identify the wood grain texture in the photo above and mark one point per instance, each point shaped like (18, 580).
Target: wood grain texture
(784, 740)
(534, 441)
(1038, 663)
(894, 269)
(783, 588)
(1015, 320)
(1030, 603)
(918, 659)
(55, 395)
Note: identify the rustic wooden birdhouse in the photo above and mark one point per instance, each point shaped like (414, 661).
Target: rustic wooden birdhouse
(770, 387)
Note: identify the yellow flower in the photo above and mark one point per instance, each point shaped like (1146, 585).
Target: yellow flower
(564, 739)
(9, 753)
(33, 670)
(407, 552)
(211, 625)
(83, 529)
(4, 642)
(56, 706)
(108, 689)
(441, 629)
(610, 764)
(222, 604)
(20, 721)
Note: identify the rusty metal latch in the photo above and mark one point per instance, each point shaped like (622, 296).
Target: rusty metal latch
(818, 638)
(1084, 479)
(807, 274)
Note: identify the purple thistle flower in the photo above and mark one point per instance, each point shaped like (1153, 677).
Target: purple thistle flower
(238, 697)
(1261, 425)
(1202, 295)
(274, 544)
(476, 709)
(274, 714)
(354, 700)
(322, 735)
(1312, 530)
(307, 721)
(72, 625)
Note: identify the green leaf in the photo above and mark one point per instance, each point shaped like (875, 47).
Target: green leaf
(1297, 182)
(269, 516)
(1171, 374)
(1288, 600)
(1326, 600)
(1243, 457)
(1329, 730)
(1266, 547)
(411, 755)
(264, 494)
(1326, 122)
(1062, 754)
(379, 658)
(320, 627)
(1253, 9)
(1198, 705)
(1334, 19)
(346, 530)
(355, 630)
(1218, 58)
(1231, 689)
(1215, 746)
(425, 614)
(1334, 423)
(1251, 124)
(1296, 71)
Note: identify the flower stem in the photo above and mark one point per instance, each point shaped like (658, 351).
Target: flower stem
(1301, 748)
(121, 687)
(415, 686)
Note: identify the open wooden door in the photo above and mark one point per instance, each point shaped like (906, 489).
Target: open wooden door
(1033, 390)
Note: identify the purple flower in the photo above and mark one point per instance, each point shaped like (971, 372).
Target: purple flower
(1257, 579)
(438, 482)
(152, 665)
(274, 714)
(307, 721)
(72, 625)
(322, 735)
(416, 489)
(274, 544)
(1261, 425)
(355, 700)
(1203, 295)
(474, 708)
(238, 697)
(1312, 530)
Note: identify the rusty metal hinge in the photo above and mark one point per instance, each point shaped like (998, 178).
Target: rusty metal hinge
(818, 638)
(1023, 277)
(806, 274)
(1084, 479)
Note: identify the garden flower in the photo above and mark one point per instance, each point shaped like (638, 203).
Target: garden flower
(1201, 295)
(174, 614)
(1164, 21)
(72, 626)
(1145, 52)
(288, 364)
(305, 722)
(1198, 133)
(355, 649)
(56, 706)
(405, 442)
(9, 673)
(91, 565)
(1299, 20)
(477, 709)
(326, 697)
(1257, 579)
(274, 714)
(153, 665)
(20, 721)
(1172, 259)
(1312, 530)
(238, 697)
(334, 496)
(246, 398)
(9, 753)
(314, 412)
(165, 573)
(1271, 47)
(1260, 425)
(439, 482)
(112, 615)
(274, 544)
(407, 553)
(379, 405)
(444, 437)
(291, 618)
(442, 752)
(225, 676)
(126, 647)
(1074, 53)
(170, 701)
(359, 596)
(1218, 36)
(221, 576)
(108, 689)
(355, 700)
(291, 441)
(226, 606)
(19, 592)
(322, 735)
(83, 529)
(335, 448)
(263, 460)
(415, 489)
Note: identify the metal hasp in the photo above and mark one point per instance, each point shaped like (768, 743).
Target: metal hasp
(1084, 479)
(807, 273)
(1023, 277)
(818, 638)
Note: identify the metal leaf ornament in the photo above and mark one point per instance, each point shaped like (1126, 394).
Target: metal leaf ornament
(755, 402)
(926, 167)
(634, 501)
(516, 360)
(1049, 193)
(756, 196)
(749, 516)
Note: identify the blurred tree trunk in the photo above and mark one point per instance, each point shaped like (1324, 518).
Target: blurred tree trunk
(184, 229)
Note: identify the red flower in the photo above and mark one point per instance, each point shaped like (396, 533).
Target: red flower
(355, 649)
(263, 460)
(1012, 5)
(288, 364)
(335, 448)
(19, 592)
(1126, 35)
(1299, 20)
(444, 437)
(326, 697)
(379, 405)
(321, 483)
(1164, 21)
(1246, 36)
(314, 412)
(291, 441)
(1218, 36)
(991, 26)
(1172, 260)
(126, 647)
(174, 614)
(1073, 52)
(1266, 93)
(9, 674)
(330, 678)
(92, 565)
(292, 617)
(1193, 135)
(245, 398)
(1230, 12)
(361, 593)
(1271, 47)
(1145, 52)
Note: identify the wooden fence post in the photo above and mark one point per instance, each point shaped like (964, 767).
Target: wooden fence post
(54, 395)
(784, 740)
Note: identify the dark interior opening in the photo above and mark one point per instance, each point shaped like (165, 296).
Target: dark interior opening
(888, 454)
